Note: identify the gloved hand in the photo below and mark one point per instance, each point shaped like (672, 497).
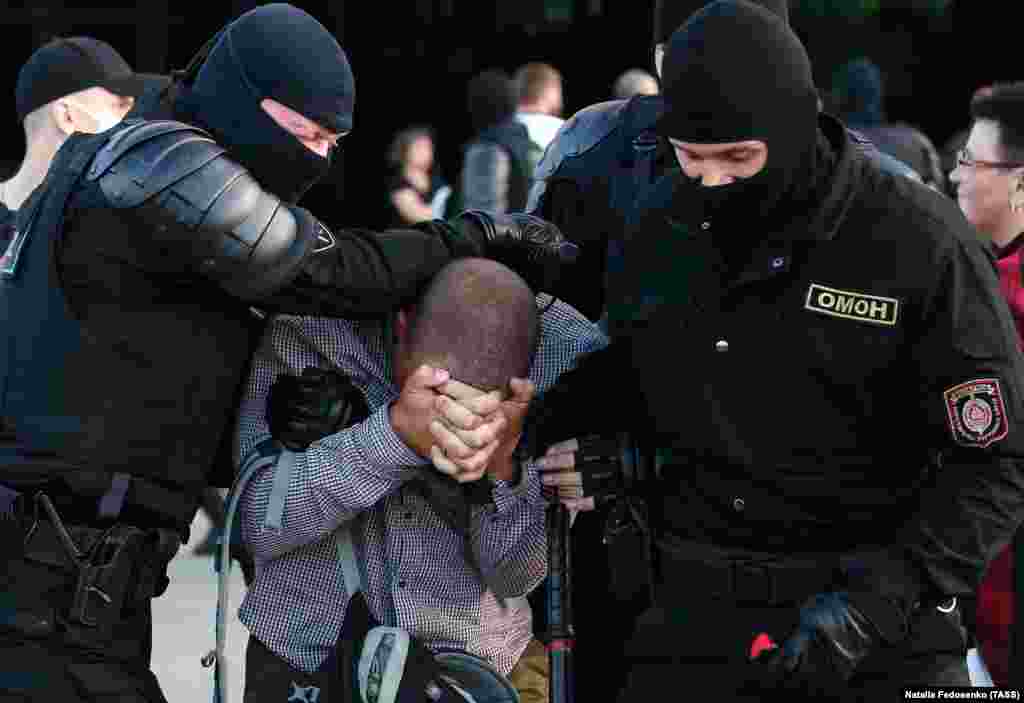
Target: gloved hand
(583, 474)
(836, 632)
(530, 246)
(320, 402)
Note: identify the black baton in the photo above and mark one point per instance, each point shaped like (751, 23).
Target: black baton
(559, 603)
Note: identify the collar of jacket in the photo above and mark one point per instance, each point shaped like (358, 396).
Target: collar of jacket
(837, 186)
(835, 191)
(1010, 249)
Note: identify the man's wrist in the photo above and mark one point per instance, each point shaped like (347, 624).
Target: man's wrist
(505, 469)
(399, 423)
(382, 450)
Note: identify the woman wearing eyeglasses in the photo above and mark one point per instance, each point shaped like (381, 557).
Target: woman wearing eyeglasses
(989, 180)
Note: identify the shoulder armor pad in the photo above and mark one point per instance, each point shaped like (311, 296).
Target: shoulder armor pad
(147, 157)
(581, 132)
(644, 112)
(889, 164)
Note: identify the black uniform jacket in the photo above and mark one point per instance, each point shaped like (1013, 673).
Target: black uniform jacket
(857, 384)
(119, 356)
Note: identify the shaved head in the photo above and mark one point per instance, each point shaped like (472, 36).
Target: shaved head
(478, 320)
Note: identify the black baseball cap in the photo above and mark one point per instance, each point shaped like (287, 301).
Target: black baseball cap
(69, 64)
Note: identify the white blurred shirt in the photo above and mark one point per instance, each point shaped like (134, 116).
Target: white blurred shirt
(542, 128)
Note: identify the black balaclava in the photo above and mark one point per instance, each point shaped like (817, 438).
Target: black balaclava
(279, 52)
(670, 14)
(736, 72)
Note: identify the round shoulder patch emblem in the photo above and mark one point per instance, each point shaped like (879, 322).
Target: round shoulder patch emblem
(976, 412)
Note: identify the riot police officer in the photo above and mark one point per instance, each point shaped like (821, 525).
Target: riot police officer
(598, 165)
(605, 156)
(821, 354)
(127, 297)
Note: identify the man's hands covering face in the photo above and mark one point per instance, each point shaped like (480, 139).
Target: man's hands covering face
(463, 431)
(477, 432)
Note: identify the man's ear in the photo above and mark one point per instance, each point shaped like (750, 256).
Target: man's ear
(659, 58)
(60, 113)
(1017, 193)
(402, 320)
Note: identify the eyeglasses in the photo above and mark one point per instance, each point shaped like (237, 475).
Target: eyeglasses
(963, 158)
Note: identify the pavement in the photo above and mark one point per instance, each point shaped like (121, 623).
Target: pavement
(183, 626)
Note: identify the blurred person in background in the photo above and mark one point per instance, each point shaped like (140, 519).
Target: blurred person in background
(539, 91)
(635, 81)
(950, 151)
(989, 183)
(858, 98)
(497, 161)
(416, 192)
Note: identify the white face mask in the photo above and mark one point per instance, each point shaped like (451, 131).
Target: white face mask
(103, 119)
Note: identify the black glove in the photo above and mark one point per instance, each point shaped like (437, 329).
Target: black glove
(598, 461)
(303, 409)
(530, 246)
(836, 632)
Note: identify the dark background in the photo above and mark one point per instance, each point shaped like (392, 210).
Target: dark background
(412, 59)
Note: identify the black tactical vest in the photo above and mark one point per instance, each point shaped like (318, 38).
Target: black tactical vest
(109, 364)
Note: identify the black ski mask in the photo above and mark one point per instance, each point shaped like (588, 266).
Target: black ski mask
(279, 52)
(670, 14)
(736, 72)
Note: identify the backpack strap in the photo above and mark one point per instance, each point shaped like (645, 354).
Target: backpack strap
(268, 454)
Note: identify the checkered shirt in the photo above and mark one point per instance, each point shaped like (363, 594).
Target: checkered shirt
(413, 567)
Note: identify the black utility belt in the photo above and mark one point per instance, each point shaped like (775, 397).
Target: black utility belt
(79, 578)
(688, 568)
(89, 496)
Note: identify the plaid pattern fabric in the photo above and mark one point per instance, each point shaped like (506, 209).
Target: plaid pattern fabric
(414, 571)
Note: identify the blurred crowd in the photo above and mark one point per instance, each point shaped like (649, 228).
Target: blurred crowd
(514, 118)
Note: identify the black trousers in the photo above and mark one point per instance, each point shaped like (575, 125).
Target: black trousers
(271, 679)
(701, 634)
(51, 668)
(707, 645)
(602, 618)
(43, 656)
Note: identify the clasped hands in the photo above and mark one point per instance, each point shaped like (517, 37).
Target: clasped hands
(463, 430)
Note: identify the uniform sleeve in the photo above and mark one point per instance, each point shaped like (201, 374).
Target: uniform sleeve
(336, 478)
(575, 206)
(365, 274)
(971, 375)
(597, 397)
